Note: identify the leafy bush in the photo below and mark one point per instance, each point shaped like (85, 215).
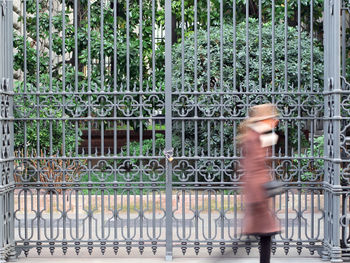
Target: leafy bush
(312, 169)
(147, 147)
(266, 56)
(26, 135)
(238, 104)
(114, 41)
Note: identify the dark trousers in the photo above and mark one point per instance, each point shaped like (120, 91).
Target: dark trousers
(265, 246)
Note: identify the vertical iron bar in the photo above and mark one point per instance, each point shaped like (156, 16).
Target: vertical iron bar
(286, 45)
(208, 46)
(102, 68)
(247, 46)
(76, 44)
(273, 44)
(234, 68)
(325, 252)
(2, 52)
(153, 45)
(102, 63)
(7, 245)
(2, 228)
(103, 237)
(50, 51)
(343, 87)
(90, 214)
(334, 69)
(51, 217)
(312, 43)
(115, 39)
(3, 132)
(64, 215)
(141, 243)
(234, 44)
(76, 69)
(182, 53)
(154, 207)
(196, 216)
(343, 45)
(37, 51)
(235, 230)
(222, 166)
(25, 122)
(183, 219)
(273, 152)
(209, 221)
(127, 46)
(128, 239)
(115, 173)
(141, 49)
(221, 48)
(25, 151)
(183, 192)
(208, 138)
(38, 116)
(115, 114)
(260, 46)
(50, 75)
(299, 125)
(12, 252)
(25, 45)
(168, 128)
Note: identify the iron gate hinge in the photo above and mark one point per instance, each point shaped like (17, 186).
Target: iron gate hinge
(3, 7)
(330, 83)
(6, 83)
(331, 6)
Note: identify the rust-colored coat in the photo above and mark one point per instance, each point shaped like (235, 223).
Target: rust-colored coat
(259, 219)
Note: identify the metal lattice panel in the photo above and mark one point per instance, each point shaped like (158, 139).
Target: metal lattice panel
(127, 119)
(7, 184)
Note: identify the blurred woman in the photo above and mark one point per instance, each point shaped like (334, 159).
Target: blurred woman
(256, 137)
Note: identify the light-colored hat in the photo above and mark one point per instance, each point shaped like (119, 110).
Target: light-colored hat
(262, 112)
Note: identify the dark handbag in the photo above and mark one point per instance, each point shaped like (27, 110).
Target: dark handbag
(274, 188)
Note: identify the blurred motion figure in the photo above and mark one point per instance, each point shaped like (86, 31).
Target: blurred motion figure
(256, 137)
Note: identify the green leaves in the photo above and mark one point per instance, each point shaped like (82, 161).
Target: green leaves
(265, 54)
(234, 61)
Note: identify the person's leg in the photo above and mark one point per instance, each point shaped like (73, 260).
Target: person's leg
(265, 252)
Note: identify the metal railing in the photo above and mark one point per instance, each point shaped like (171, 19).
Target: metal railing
(179, 188)
(7, 184)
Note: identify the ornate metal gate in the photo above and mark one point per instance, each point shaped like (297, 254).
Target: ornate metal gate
(7, 242)
(127, 115)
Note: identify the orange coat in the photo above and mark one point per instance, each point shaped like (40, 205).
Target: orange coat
(259, 219)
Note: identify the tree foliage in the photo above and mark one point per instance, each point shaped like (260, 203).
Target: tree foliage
(79, 44)
(184, 79)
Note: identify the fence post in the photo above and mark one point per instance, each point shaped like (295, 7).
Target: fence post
(333, 128)
(7, 245)
(326, 180)
(168, 129)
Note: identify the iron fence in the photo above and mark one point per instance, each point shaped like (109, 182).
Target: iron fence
(7, 242)
(187, 94)
(344, 127)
